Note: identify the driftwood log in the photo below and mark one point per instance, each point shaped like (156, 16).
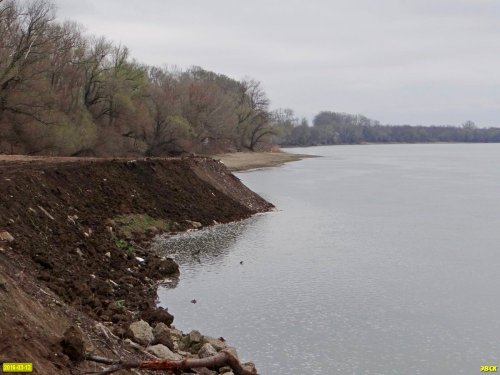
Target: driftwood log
(221, 359)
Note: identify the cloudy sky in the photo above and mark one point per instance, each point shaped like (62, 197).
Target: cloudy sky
(398, 61)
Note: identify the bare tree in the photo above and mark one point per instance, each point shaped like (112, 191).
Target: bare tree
(23, 42)
(95, 67)
(253, 115)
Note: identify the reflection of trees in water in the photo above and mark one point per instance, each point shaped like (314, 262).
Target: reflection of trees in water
(207, 246)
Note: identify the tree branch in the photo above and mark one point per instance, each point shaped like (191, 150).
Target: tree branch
(223, 358)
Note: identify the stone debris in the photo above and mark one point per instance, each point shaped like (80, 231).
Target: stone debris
(6, 236)
(162, 352)
(166, 342)
(194, 224)
(218, 344)
(207, 350)
(141, 332)
(195, 337)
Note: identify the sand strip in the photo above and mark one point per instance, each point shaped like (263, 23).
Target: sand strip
(242, 161)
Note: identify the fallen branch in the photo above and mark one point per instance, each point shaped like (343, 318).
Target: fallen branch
(139, 348)
(221, 359)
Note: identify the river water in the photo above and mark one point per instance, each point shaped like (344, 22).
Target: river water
(380, 259)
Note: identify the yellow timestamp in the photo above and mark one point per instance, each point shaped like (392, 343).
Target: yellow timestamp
(488, 368)
(17, 367)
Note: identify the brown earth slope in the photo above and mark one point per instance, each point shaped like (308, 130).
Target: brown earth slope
(62, 215)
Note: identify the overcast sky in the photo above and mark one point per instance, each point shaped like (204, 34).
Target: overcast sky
(398, 61)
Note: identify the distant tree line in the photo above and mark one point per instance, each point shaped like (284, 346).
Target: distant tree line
(332, 128)
(64, 93)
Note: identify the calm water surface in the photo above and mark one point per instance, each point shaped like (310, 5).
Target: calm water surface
(380, 259)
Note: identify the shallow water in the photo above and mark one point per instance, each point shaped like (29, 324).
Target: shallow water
(380, 259)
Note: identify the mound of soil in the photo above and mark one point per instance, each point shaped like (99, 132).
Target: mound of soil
(60, 211)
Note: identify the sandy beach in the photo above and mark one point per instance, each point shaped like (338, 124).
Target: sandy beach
(241, 161)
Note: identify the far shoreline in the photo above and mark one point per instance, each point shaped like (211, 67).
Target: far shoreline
(245, 161)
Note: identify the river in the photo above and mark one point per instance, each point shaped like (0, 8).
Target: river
(380, 259)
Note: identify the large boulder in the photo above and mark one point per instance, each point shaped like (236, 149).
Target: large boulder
(141, 332)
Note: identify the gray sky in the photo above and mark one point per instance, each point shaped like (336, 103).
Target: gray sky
(398, 61)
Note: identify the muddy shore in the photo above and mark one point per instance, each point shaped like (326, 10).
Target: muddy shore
(74, 258)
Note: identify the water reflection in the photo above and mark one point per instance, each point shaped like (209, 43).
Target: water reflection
(206, 247)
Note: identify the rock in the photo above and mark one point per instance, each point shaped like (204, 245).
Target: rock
(6, 237)
(162, 352)
(195, 337)
(174, 334)
(191, 342)
(250, 367)
(164, 338)
(141, 332)
(205, 371)
(218, 344)
(207, 350)
(194, 224)
(226, 370)
(72, 343)
(169, 337)
(158, 315)
(159, 328)
(108, 254)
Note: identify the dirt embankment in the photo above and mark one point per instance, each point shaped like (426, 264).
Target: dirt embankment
(73, 242)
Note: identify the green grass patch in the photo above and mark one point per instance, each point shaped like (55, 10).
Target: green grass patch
(131, 225)
(125, 246)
